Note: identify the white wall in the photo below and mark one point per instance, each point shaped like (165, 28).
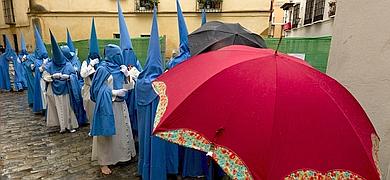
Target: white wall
(360, 60)
(317, 29)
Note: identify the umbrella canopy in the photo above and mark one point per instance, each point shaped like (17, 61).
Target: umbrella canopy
(263, 115)
(215, 35)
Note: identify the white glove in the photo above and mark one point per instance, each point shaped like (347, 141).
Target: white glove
(125, 70)
(24, 57)
(41, 68)
(120, 92)
(56, 75)
(32, 66)
(65, 76)
(134, 73)
(93, 62)
(76, 69)
(72, 54)
(45, 61)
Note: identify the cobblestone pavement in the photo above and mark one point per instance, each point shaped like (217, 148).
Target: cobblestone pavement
(30, 150)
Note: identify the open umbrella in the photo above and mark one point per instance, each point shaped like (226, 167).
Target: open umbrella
(215, 35)
(262, 115)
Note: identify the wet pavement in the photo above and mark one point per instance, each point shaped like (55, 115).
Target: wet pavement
(30, 150)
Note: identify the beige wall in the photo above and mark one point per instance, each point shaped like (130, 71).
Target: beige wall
(278, 16)
(360, 60)
(76, 15)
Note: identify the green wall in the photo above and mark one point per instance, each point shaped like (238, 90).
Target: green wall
(140, 47)
(316, 50)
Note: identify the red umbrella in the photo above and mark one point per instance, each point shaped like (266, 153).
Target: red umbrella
(266, 116)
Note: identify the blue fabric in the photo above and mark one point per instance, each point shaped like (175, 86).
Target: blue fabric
(125, 42)
(204, 20)
(37, 105)
(103, 123)
(5, 83)
(93, 43)
(40, 49)
(76, 100)
(157, 157)
(69, 41)
(7, 56)
(184, 51)
(30, 78)
(20, 77)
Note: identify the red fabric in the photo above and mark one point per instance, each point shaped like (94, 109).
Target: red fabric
(287, 26)
(279, 115)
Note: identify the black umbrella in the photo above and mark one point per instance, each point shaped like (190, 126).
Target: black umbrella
(215, 35)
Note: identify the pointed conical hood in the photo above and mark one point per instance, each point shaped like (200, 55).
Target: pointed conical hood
(8, 46)
(183, 32)
(204, 20)
(93, 41)
(39, 45)
(153, 63)
(153, 68)
(69, 41)
(125, 41)
(58, 58)
(23, 43)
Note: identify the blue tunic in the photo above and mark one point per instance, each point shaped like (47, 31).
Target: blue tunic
(5, 82)
(38, 104)
(20, 81)
(29, 78)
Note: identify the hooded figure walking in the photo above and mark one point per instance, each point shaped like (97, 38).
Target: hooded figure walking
(57, 74)
(111, 128)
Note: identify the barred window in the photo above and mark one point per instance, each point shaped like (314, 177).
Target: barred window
(319, 10)
(309, 12)
(296, 17)
(209, 5)
(8, 9)
(145, 5)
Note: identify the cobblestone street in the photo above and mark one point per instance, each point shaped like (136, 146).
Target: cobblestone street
(30, 150)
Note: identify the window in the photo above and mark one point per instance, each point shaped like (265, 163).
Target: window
(296, 17)
(209, 5)
(145, 5)
(332, 8)
(116, 36)
(309, 12)
(8, 9)
(15, 42)
(319, 10)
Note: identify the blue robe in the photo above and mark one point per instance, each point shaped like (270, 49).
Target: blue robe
(103, 122)
(38, 104)
(29, 78)
(76, 100)
(20, 81)
(5, 82)
(157, 157)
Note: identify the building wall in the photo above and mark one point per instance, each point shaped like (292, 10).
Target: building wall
(359, 59)
(76, 15)
(316, 29)
(278, 18)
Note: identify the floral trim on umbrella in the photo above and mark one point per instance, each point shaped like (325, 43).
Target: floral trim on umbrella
(375, 150)
(160, 88)
(229, 161)
(331, 175)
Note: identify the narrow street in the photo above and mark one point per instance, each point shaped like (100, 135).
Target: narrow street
(30, 150)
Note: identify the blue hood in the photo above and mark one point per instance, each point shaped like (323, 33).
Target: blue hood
(153, 68)
(69, 41)
(58, 58)
(93, 43)
(39, 45)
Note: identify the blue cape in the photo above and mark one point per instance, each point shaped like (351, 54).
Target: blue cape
(76, 100)
(30, 78)
(103, 122)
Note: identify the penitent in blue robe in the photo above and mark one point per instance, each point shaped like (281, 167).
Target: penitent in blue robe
(38, 104)
(5, 82)
(29, 73)
(157, 157)
(20, 81)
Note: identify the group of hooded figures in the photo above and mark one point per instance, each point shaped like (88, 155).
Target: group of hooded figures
(112, 93)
